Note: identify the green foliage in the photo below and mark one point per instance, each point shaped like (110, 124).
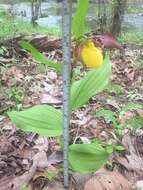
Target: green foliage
(78, 25)
(113, 117)
(2, 14)
(94, 82)
(134, 95)
(48, 121)
(135, 122)
(51, 175)
(42, 119)
(132, 37)
(40, 57)
(11, 26)
(6, 28)
(119, 148)
(107, 115)
(88, 157)
(3, 50)
(115, 88)
(13, 1)
(24, 188)
(15, 94)
(131, 106)
(134, 9)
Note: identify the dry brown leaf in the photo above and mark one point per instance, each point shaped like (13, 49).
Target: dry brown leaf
(15, 183)
(132, 161)
(49, 99)
(138, 185)
(5, 145)
(12, 74)
(41, 144)
(55, 186)
(80, 179)
(52, 75)
(4, 60)
(127, 115)
(108, 181)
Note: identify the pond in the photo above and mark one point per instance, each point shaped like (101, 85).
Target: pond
(51, 12)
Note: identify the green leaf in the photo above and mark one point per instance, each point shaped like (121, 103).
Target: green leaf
(42, 119)
(131, 106)
(94, 82)
(107, 115)
(1, 51)
(40, 57)
(78, 24)
(115, 88)
(135, 122)
(3, 13)
(51, 174)
(86, 158)
(24, 188)
(119, 148)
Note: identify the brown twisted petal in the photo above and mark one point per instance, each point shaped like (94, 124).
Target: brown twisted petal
(76, 54)
(98, 43)
(77, 51)
(108, 41)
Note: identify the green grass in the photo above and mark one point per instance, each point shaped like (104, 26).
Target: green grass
(10, 27)
(130, 9)
(134, 9)
(12, 1)
(132, 37)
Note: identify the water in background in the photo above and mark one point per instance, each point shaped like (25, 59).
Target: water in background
(51, 15)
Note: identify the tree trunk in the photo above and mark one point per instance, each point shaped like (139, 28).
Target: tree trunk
(35, 10)
(102, 16)
(118, 10)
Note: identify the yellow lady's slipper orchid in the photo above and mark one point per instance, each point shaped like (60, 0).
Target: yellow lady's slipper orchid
(91, 55)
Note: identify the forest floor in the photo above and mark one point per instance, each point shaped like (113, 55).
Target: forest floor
(25, 83)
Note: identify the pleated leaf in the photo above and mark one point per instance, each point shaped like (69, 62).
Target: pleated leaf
(40, 57)
(79, 19)
(94, 82)
(87, 158)
(42, 119)
(107, 115)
